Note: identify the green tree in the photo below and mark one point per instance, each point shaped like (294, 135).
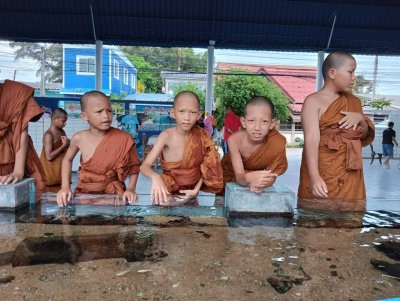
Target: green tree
(380, 103)
(192, 87)
(181, 59)
(53, 57)
(236, 90)
(148, 75)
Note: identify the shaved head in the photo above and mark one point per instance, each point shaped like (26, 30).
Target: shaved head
(260, 100)
(85, 97)
(57, 113)
(335, 60)
(188, 93)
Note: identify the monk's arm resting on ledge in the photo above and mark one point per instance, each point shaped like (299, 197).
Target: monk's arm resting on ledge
(65, 194)
(20, 161)
(195, 190)
(130, 192)
(159, 191)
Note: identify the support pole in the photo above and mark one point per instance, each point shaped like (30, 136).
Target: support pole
(210, 77)
(321, 55)
(99, 64)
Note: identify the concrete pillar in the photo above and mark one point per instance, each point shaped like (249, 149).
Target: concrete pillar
(320, 78)
(210, 77)
(99, 64)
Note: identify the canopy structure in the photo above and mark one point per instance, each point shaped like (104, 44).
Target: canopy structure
(357, 26)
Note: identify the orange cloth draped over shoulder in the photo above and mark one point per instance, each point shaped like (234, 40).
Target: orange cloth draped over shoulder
(200, 159)
(17, 109)
(271, 155)
(113, 160)
(339, 161)
(52, 168)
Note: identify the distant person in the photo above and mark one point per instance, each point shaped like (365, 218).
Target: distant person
(55, 145)
(18, 157)
(231, 125)
(388, 141)
(257, 154)
(209, 123)
(335, 129)
(108, 155)
(189, 159)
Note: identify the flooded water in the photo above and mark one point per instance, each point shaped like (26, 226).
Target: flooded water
(112, 251)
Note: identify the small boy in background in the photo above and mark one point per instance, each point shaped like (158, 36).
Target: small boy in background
(257, 153)
(108, 155)
(55, 144)
(189, 158)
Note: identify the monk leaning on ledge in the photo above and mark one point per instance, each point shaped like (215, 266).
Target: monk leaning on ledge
(18, 157)
(189, 158)
(108, 155)
(257, 153)
(335, 129)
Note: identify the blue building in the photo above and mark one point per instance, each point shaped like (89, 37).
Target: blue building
(119, 74)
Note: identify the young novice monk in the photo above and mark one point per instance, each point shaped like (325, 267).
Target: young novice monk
(189, 159)
(18, 158)
(55, 144)
(335, 129)
(257, 153)
(108, 155)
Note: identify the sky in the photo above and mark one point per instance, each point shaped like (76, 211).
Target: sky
(388, 77)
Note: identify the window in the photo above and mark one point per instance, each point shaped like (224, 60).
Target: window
(116, 69)
(126, 76)
(85, 65)
(133, 81)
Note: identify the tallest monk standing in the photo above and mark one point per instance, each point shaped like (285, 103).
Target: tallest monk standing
(335, 129)
(18, 158)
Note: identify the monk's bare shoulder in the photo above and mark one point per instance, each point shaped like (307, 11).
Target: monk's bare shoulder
(79, 137)
(313, 100)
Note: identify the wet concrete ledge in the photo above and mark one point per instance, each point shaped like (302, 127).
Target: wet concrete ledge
(274, 200)
(17, 195)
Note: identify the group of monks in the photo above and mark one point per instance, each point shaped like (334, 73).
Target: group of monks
(334, 126)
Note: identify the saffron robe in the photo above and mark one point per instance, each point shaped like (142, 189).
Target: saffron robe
(270, 155)
(339, 161)
(113, 160)
(200, 159)
(17, 109)
(52, 168)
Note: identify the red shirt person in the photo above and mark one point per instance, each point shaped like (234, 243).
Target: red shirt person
(231, 123)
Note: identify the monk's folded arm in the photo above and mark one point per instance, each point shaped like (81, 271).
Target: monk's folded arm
(66, 165)
(237, 162)
(132, 183)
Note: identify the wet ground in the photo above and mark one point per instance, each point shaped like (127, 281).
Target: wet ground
(180, 253)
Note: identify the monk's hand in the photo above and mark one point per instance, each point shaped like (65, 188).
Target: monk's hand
(319, 188)
(64, 196)
(159, 192)
(260, 179)
(130, 196)
(189, 192)
(350, 120)
(65, 141)
(11, 178)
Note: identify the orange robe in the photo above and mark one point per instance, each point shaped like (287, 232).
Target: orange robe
(271, 155)
(113, 160)
(17, 108)
(200, 159)
(339, 161)
(52, 168)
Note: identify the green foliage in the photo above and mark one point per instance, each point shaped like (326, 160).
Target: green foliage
(148, 75)
(192, 87)
(380, 103)
(236, 90)
(360, 83)
(53, 57)
(181, 59)
(114, 96)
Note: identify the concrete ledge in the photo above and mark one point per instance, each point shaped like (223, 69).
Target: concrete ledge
(17, 195)
(275, 200)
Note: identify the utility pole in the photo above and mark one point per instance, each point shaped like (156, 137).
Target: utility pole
(375, 76)
(42, 74)
(15, 74)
